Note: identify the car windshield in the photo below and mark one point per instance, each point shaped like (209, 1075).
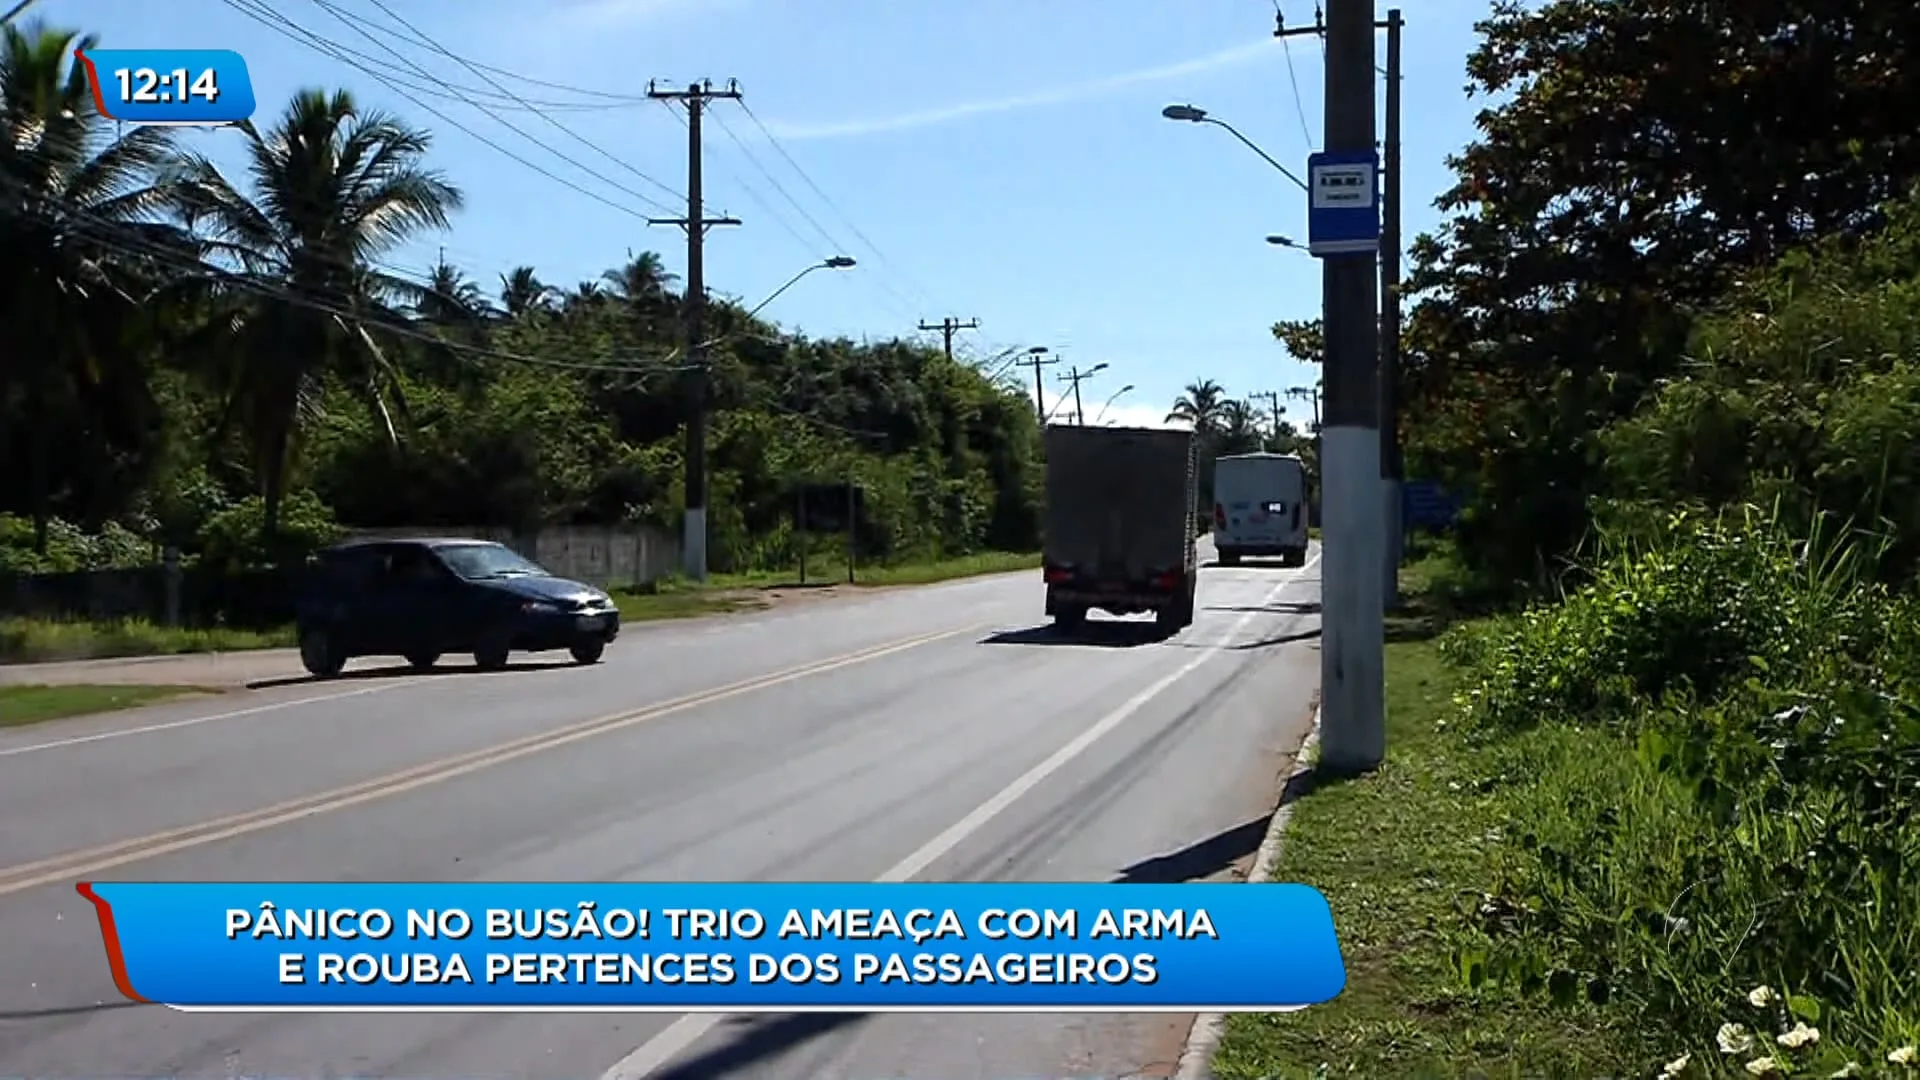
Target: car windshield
(477, 562)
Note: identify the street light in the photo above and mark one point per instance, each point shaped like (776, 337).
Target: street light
(1285, 242)
(837, 262)
(1076, 377)
(1110, 400)
(1194, 115)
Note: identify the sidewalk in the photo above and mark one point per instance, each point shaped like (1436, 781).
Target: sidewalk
(221, 670)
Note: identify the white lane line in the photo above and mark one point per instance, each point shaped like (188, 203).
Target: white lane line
(678, 1037)
(192, 721)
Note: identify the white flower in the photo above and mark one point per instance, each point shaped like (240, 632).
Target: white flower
(1677, 1066)
(1733, 1039)
(1762, 996)
(1763, 1066)
(1904, 1055)
(1800, 1036)
(1851, 1068)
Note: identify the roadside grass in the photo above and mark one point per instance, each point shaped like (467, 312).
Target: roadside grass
(1664, 826)
(21, 705)
(34, 640)
(29, 640)
(1400, 854)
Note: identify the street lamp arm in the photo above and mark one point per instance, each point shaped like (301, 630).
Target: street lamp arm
(791, 282)
(1251, 145)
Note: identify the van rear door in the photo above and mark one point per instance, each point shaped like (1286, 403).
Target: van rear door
(1262, 501)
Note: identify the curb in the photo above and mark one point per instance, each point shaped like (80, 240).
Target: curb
(1203, 1040)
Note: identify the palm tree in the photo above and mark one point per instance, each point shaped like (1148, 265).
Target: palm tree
(642, 281)
(522, 292)
(1238, 429)
(1200, 406)
(332, 187)
(450, 297)
(81, 244)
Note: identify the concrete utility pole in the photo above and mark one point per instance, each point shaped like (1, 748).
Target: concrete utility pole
(1036, 359)
(1075, 376)
(948, 327)
(1352, 667)
(1392, 463)
(696, 224)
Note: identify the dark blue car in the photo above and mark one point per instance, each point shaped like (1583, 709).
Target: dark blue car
(422, 599)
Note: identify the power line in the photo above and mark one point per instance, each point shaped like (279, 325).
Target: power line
(270, 19)
(878, 255)
(496, 84)
(1286, 49)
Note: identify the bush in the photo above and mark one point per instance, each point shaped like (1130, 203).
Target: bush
(1711, 756)
(234, 539)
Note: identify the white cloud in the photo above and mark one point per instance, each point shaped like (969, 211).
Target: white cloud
(1119, 414)
(1229, 57)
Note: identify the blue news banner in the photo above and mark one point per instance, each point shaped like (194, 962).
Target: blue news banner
(733, 947)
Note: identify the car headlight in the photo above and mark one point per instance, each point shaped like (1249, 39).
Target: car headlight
(540, 607)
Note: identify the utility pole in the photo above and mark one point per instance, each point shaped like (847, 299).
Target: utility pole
(1352, 660)
(948, 327)
(1075, 376)
(1312, 394)
(1392, 461)
(696, 224)
(1037, 358)
(1273, 406)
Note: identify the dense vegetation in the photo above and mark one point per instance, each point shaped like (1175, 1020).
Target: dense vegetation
(222, 361)
(1666, 343)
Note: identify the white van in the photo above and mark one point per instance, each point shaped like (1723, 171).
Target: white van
(1260, 508)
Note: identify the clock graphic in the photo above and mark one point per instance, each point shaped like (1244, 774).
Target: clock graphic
(195, 87)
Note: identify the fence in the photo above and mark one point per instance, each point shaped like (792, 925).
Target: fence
(612, 557)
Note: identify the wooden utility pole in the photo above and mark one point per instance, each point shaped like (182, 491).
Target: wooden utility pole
(948, 327)
(1272, 398)
(696, 224)
(1392, 461)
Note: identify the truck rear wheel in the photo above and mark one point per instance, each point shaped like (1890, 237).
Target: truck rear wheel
(1070, 618)
(1229, 558)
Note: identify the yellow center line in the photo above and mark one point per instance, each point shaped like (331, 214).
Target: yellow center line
(67, 867)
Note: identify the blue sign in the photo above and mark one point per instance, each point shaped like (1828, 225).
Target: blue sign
(1343, 202)
(1427, 507)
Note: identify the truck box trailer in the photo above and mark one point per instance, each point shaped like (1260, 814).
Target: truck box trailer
(1119, 523)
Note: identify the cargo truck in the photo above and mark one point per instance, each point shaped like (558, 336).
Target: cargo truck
(1119, 524)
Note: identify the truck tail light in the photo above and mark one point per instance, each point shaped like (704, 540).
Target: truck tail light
(1219, 516)
(1054, 575)
(1166, 582)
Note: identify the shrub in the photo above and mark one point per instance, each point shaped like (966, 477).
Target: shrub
(1710, 759)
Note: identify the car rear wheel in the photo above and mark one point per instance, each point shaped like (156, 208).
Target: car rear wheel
(423, 660)
(588, 651)
(320, 654)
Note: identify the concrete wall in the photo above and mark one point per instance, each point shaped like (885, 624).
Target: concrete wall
(610, 556)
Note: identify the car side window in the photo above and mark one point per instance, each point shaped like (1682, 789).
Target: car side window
(353, 571)
(413, 566)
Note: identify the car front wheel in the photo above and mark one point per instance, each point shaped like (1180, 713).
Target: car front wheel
(492, 653)
(588, 651)
(320, 654)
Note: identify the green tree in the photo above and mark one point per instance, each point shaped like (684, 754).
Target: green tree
(522, 292)
(1199, 405)
(332, 187)
(81, 246)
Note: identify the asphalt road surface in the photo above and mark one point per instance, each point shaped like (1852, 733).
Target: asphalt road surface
(936, 734)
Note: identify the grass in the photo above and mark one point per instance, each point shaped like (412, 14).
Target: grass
(27, 640)
(21, 705)
(1396, 883)
(34, 640)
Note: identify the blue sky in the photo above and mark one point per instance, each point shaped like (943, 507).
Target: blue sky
(1003, 160)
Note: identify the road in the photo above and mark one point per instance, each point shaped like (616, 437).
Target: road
(936, 734)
